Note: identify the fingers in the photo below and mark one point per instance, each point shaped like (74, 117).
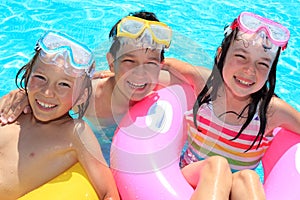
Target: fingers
(3, 108)
(12, 105)
(103, 74)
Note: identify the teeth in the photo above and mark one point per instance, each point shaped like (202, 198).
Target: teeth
(244, 82)
(135, 85)
(45, 105)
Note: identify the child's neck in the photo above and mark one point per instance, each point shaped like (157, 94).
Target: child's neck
(230, 108)
(60, 120)
(120, 102)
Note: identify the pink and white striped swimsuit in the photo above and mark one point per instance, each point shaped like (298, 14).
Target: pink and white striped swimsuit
(214, 138)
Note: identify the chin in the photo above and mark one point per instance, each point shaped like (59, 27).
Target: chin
(137, 98)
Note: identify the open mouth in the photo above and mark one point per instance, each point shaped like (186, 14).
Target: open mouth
(244, 82)
(136, 85)
(45, 105)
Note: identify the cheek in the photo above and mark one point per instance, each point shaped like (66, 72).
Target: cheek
(68, 99)
(263, 78)
(154, 75)
(230, 64)
(123, 70)
(78, 90)
(120, 77)
(34, 83)
(264, 72)
(227, 71)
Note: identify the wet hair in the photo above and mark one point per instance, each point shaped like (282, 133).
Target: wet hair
(259, 99)
(25, 72)
(113, 32)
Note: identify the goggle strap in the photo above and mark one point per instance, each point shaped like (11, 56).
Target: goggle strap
(234, 24)
(284, 47)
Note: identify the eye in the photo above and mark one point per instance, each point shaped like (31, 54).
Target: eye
(240, 56)
(40, 77)
(128, 60)
(153, 64)
(64, 84)
(262, 64)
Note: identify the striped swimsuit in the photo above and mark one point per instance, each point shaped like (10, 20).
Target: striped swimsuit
(214, 138)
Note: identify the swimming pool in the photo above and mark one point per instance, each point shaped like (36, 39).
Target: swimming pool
(198, 30)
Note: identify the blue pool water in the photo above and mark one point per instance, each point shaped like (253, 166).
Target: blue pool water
(198, 30)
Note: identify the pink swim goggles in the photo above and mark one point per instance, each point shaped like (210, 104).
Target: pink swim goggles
(252, 23)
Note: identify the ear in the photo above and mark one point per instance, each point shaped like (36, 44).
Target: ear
(83, 98)
(219, 53)
(110, 60)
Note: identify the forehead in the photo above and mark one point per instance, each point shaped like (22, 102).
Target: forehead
(51, 70)
(128, 49)
(255, 44)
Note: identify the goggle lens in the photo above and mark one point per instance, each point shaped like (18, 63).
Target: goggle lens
(161, 33)
(131, 26)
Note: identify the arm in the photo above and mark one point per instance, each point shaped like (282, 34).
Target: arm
(91, 158)
(281, 114)
(103, 74)
(184, 72)
(12, 105)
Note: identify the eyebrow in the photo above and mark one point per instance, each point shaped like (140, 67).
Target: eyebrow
(247, 52)
(151, 57)
(156, 58)
(267, 59)
(128, 54)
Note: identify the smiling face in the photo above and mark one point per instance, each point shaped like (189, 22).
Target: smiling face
(52, 93)
(136, 71)
(247, 65)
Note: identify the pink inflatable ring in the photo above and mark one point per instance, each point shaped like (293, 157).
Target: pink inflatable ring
(281, 165)
(147, 145)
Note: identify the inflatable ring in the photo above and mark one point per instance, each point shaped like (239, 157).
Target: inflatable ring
(72, 184)
(281, 165)
(147, 145)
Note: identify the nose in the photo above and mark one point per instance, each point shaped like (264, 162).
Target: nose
(250, 69)
(48, 90)
(140, 70)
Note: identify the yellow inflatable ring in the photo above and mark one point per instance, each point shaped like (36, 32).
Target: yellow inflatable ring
(72, 184)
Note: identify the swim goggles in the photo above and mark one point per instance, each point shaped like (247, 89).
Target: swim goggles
(63, 51)
(252, 23)
(133, 27)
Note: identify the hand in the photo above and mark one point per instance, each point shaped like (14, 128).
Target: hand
(12, 105)
(103, 74)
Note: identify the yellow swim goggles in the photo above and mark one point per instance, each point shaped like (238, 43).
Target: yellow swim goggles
(133, 27)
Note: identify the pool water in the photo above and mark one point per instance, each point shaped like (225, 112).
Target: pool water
(197, 25)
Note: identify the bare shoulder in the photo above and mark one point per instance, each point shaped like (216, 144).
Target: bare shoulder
(82, 132)
(81, 127)
(85, 142)
(282, 114)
